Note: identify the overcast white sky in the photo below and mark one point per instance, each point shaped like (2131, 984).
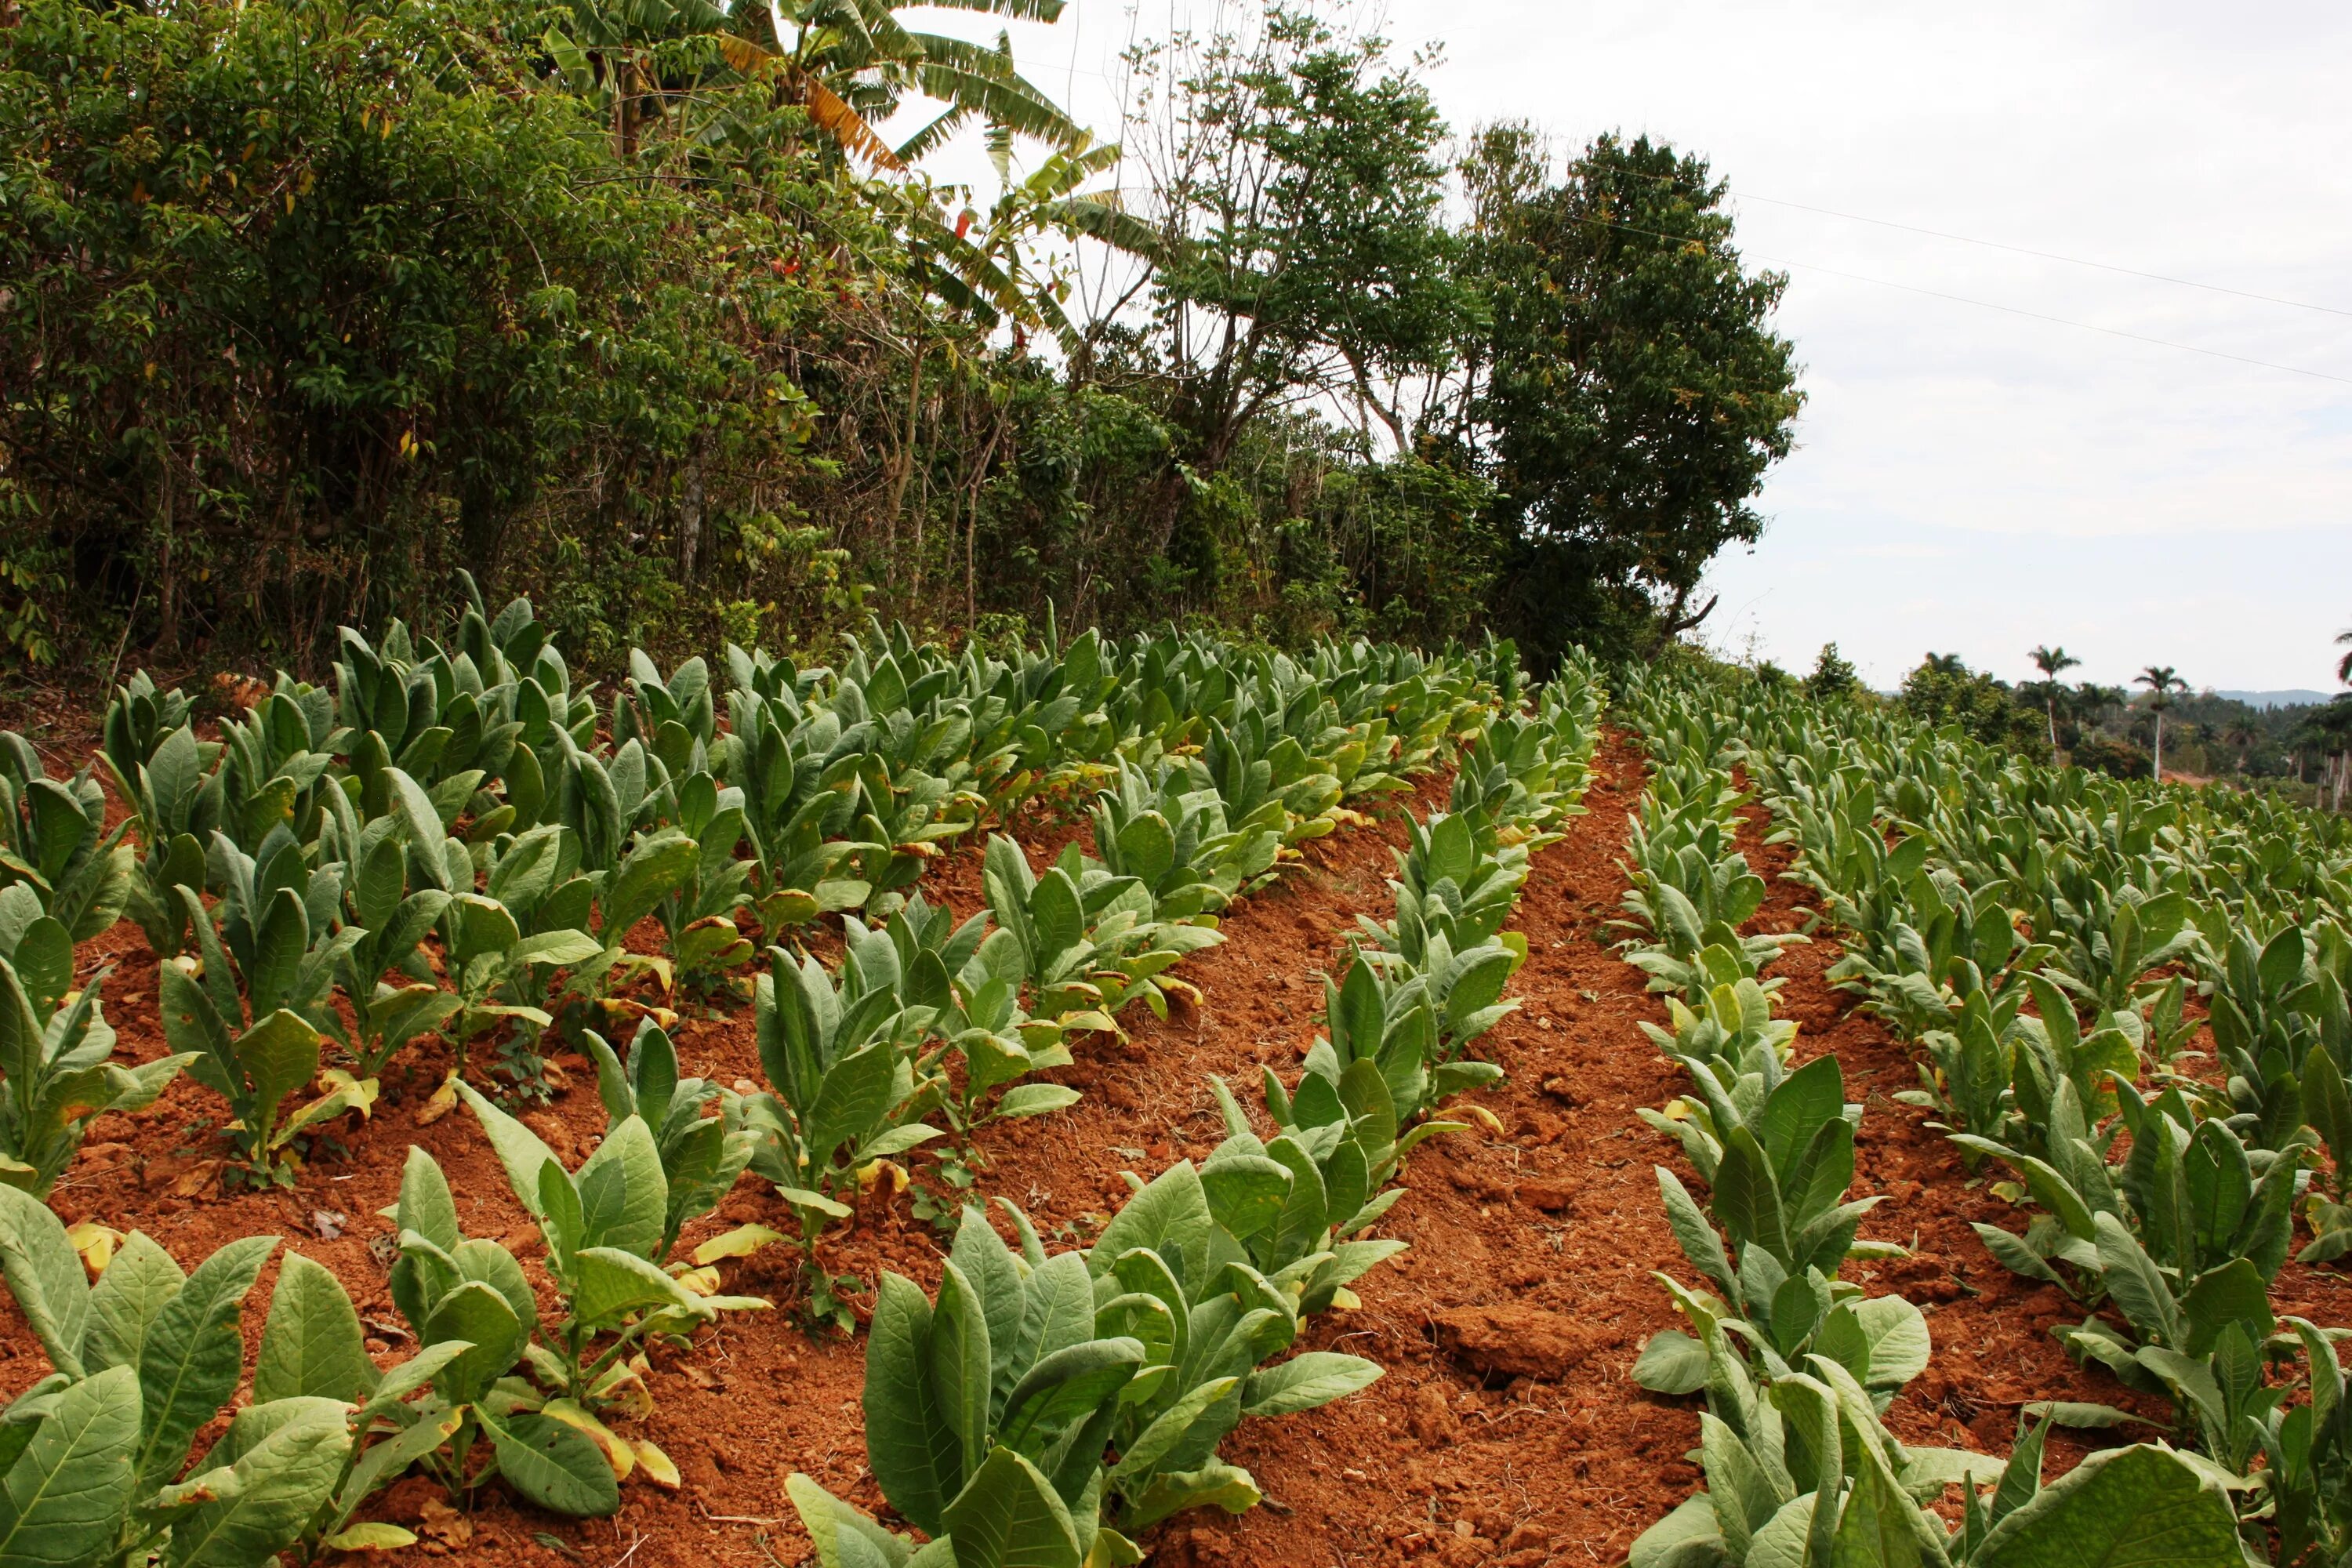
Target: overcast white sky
(1966, 479)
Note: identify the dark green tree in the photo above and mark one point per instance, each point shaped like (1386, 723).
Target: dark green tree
(1834, 674)
(1628, 391)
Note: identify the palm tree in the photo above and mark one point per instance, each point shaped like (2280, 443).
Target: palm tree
(2051, 662)
(2162, 682)
(2344, 665)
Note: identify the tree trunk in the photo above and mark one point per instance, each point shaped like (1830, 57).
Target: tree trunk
(2054, 730)
(689, 518)
(167, 630)
(906, 466)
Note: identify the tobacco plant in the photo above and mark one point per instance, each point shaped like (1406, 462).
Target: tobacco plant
(57, 1071)
(259, 1048)
(607, 1227)
(55, 843)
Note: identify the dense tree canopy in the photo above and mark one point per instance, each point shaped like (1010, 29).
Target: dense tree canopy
(637, 309)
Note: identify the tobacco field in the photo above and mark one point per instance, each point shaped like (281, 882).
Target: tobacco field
(1152, 1100)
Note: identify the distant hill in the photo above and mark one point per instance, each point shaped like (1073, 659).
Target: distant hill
(2277, 698)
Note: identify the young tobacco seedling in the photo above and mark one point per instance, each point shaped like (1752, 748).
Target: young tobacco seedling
(474, 1315)
(1801, 1470)
(147, 1357)
(991, 1413)
(605, 1226)
(842, 1086)
(257, 1060)
(57, 1071)
(1782, 1162)
(55, 844)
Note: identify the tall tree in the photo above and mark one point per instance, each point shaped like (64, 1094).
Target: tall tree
(1296, 175)
(2162, 683)
(2051, 662)
(1627, 392)
(2344, 665)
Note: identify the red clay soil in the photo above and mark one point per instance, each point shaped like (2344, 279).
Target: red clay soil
(1505, 1430)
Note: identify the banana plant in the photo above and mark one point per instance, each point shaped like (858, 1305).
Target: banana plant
(259, 1049)
(54, 841)
(606, 1226)
(474, 1316)
(57, 1072)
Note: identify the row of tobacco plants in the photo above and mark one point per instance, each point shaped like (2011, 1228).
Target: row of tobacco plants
(458, 840)
(2040, 938)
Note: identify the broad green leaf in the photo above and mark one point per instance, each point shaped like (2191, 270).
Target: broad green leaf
(189, 1365)
(1036, 1099)
(1067, 1385)
(624, 1198)
(478, 1314)
(557, 1467)
(280, 1054)
(312, 1344)
(518, 1148)
(960, 1363)
(253, 1508)
(614, 1284)
(911, 1443)
(1171, 1214)
(843, 1537)
(1681, 1538)
(62, 1502)
(2143, 1506)
(1306, 1381)
(1672, 1363)
(46, 1275)
(1011, 1517)
(126, 1301)
(1881, 1526)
